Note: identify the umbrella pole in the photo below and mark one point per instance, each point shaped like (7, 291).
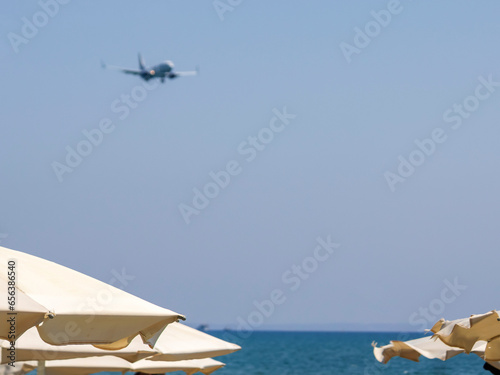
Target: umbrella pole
(40, 370)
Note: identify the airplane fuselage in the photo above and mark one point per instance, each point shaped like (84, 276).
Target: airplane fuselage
(162, 70)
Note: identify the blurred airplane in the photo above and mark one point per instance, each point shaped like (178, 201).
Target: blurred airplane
(162, 70)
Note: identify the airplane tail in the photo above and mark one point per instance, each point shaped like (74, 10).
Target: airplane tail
(142, 66)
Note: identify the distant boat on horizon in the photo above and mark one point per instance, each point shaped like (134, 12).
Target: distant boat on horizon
(202, 327)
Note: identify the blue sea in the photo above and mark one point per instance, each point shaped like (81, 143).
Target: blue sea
(327, 353)
(322, 353)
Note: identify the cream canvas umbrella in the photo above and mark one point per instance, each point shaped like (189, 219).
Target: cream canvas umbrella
(91, 365)
(429, 347)
(203, 365)
(75, 308)
(465, 333)
(30, 347)
(177, 342)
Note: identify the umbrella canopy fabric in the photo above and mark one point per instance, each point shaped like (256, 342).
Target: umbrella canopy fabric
(30, 347)
(465, 333)
(90, 365)
(84, 366)
(25, 312)
(84, 310)
(177, 342)
(429, 347)
(204, 365)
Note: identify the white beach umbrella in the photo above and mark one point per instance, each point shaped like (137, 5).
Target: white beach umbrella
(191, 366)
(91, 365)
(30, 347)
(72, 307)
(177, 342)
(429, 347)
(465, 333)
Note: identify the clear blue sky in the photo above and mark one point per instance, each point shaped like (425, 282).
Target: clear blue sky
(323, 174)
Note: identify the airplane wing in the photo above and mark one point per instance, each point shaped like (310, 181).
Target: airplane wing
(182, 74)
(186, 73)
(124, 70)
